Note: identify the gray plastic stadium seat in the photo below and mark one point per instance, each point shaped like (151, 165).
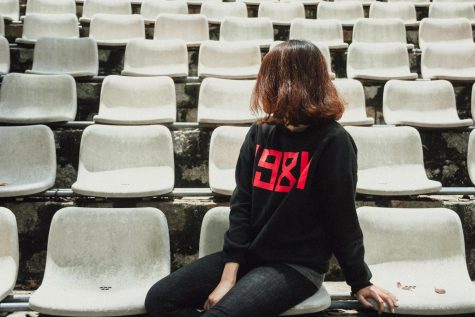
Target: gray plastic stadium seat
(451, 62)
(192, 28)
(452, 10)
(36, 25)
(381, 61)
(282, 13)
(29, 165)
(216, 11)
(471, 152)
(110, 272)
(405, 11)
(224, 149)
(51, 6)
(28, 98)
(77, 57)
(417, 3)
(137, 100)
(429, 104)
(254, 30)
(388, 30)
(4, 55)
(347, 12)
(231, 60)
(445, 31)
(116, 29)
(326, 32)
(9, 254)
(92, 7)
(156, 58)
(216, 223)
(390, 161)
(10, 10)
(352, 93)
(420, 247)
(151, 9)
(224, 101)
(125, 161)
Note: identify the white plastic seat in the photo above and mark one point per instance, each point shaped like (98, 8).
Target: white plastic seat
(51, 6)
(216, 223)
(10, 10)
(77, 57)
(381, 61)
(137, 100)
(254, 2)
(92, 7)
(36, 25)
(2, 26)
(29, 165)
(254, 30)
(231, 60)
(108, 274)
(216, 11)
(326, 32)
(225, 101)
(282, 13)
(453, 1)
(352, 93)
(417, 3)
(405, 11)
(450, 10)
(200, 2)
(423, 248)
(347, 12)
(151, 9)
(429, 104)
(364, 2)
(390, 161)
(445, 31)
(224, 148)
(27, 98)
(116, 29)
(4, 55)
(451, 62)
(380, 31)
(125, 161)
(9, 252)
(471, 150)
(156, 58)
(192, 28)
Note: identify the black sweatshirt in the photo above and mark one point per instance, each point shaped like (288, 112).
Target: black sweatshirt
(294, 201)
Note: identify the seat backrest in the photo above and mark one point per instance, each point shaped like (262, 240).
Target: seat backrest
(352, 93)
(411, 1)
(378, 56)
(115, 27)
(9, 252)
(228, 54)
(316, 30)
(214, 226)
(433, 30)
(4, 55)
(282, 11)
(405, 11)
(224, 147)
(246, 29)
(471, 151)
(36, 25)
(10, 9)
(379, 31)
(92, 7)
(410, 234)
(51, 6)
(64, 55)
(387, 146)
(447, 10)
(188, 27)
(341, 11)
(27, 97)
(452, 57)
(124, 246)
(151, 9)
(218, 10)
(131, 146)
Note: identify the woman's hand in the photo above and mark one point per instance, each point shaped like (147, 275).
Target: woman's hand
(379, 295)
(218, 293)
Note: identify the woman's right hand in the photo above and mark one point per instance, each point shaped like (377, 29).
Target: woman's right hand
(222, 289)
(378, 295)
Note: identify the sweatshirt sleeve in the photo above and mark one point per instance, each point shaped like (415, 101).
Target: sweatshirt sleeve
(338, 176)
(237, 238)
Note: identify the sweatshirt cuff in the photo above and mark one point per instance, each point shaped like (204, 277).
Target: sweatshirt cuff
(356, 287)
(234, 256)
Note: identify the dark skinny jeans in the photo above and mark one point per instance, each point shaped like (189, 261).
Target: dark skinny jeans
(264, 291)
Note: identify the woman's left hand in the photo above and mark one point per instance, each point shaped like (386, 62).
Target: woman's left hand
(378, 294)
(222, 289)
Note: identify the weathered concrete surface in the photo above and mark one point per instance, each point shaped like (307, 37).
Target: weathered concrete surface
(184, 219)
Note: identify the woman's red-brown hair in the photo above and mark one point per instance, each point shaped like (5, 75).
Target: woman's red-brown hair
(293, 86)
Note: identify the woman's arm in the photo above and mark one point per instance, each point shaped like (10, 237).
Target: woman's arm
(228, 280)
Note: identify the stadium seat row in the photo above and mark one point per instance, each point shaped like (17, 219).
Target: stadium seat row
(104, 276)
(390, 161)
